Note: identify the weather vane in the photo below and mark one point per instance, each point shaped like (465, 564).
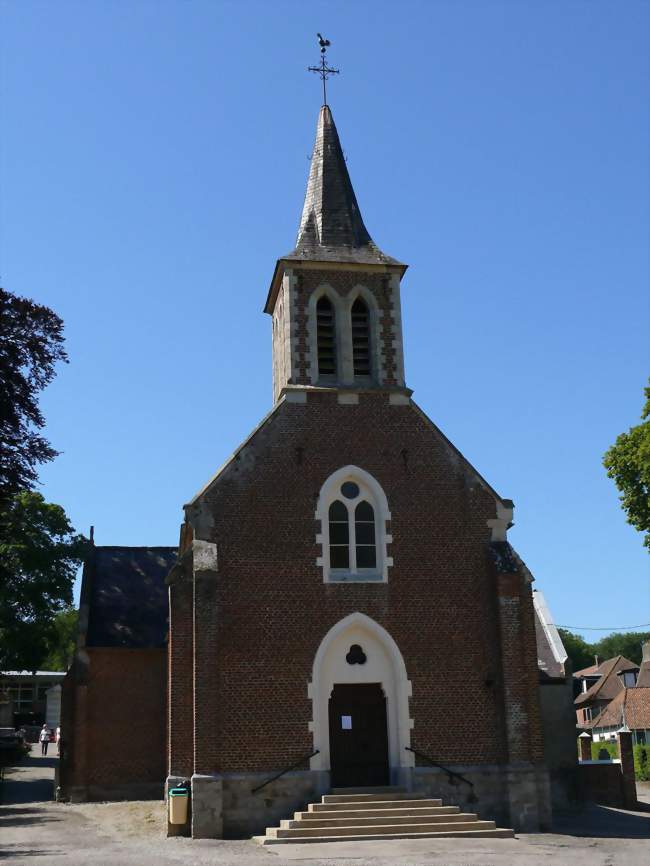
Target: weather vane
(323, 70)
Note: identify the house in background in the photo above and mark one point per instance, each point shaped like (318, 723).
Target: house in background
(630, 709)
(600, 684)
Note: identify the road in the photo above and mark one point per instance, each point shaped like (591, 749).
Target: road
(34, 831)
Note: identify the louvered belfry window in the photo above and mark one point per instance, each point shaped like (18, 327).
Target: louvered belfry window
(326, 337)
(361, 338)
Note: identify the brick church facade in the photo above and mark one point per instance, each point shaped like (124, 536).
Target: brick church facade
(345, 605)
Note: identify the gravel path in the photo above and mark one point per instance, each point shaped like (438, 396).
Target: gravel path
(37, 832)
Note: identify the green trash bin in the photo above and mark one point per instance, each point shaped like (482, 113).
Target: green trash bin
(178, 801)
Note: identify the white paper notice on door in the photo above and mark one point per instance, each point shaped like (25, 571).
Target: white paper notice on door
(346, 723)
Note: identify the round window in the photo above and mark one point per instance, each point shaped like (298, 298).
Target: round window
(350, 490)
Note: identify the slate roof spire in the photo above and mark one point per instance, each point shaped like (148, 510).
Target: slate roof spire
(331, 226)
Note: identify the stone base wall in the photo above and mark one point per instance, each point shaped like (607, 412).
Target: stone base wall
(111, 793)
(227, 805)
(514, 795)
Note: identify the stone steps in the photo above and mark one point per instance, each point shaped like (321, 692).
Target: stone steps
(378, 813)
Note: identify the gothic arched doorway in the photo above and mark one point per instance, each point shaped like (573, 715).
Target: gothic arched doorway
(358, 662)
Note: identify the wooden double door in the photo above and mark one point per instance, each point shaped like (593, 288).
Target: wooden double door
(358, 736)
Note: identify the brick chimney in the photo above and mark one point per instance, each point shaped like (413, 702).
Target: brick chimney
(645, 652)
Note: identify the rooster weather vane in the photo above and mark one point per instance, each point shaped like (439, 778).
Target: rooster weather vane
(323, 69)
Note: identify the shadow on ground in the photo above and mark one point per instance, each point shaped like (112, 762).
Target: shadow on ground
(8, 853)
(10, 817)
(21, 784)
(603, 822)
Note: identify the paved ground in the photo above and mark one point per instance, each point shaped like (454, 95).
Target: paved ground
(37, 832)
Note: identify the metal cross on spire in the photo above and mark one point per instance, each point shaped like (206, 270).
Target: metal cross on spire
(323, 70)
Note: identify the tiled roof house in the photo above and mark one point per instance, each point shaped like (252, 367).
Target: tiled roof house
(601, 683)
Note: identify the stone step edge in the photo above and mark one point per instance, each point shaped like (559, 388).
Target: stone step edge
(376, 804)
(381, 829)
(423, 811)
(452, 818)
(498, 832)
(380, 789)
(369, 798)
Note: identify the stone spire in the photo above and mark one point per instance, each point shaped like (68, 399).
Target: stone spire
(331, 227)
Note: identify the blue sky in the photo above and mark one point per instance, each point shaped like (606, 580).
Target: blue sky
(154, 161)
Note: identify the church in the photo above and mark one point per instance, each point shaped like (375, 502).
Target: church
(346, 601)
(345, 611)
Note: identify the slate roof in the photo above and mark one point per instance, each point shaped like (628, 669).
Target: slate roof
(504, 557)
(126, 596)
(609, 684)
(631, 705)
(331, 227)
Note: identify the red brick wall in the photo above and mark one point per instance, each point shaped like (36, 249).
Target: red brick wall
(180, 728)
(118, 712)
(260, 619)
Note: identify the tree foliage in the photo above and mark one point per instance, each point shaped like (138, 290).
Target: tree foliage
(626, 644)
(61, 645)
(579, 651)
(30, 346)
(628, 463)
(39, 557)
(582, 654)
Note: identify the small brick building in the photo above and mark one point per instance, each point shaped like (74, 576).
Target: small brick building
(346, 603)
(113, 706)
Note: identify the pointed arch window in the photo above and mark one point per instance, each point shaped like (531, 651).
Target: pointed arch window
(353, 511)
(326, 337)
(360, 315)
(364, 536)
(339, 526)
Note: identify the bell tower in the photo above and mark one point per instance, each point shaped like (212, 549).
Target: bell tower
(335, 299)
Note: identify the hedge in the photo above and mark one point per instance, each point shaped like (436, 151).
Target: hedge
(611, 746)
(642, 763)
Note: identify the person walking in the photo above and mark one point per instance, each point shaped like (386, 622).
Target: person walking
(44, 737)
(58, 740)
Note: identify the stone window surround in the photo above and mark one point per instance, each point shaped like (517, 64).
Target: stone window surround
(371, 491)
(343, 327)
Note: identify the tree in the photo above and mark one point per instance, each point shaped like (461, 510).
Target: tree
(31, 345)
(39, 557)
(628, 463)
(62, 643)
(581, 654)
(626, 644)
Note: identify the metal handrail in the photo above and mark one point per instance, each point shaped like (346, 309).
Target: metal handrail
(292, 767)
(450, 773)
